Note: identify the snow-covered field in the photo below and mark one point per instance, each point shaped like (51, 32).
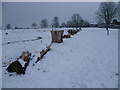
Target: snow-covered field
(87, 60)
(1, 59)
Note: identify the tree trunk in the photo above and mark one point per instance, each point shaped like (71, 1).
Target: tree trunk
(57, 36)
(43, 52)
(107, 28)
(107, 32)
(20, 65)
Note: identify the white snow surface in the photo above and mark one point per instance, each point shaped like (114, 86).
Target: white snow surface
(0, 59)
(87, 60)
(22, 62)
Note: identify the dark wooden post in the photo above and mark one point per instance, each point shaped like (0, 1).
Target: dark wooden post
(57, 36)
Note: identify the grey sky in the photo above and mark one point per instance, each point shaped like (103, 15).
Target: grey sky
(22, 14)
(0, 14)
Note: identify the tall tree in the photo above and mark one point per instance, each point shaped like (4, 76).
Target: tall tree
(63, 25)
(44, 23)
(119, 10)
(69, 24)
(8, 26)
(34, 25)
(86, 24)
(76, 20)
(55, 23)
(106, 12)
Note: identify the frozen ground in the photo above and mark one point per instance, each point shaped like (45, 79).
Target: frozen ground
(87, 60)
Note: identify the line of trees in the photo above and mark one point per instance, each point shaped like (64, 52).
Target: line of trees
(75, 21)
(105, 14)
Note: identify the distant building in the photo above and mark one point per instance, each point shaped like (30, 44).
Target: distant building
(116, 22)
(93, 24)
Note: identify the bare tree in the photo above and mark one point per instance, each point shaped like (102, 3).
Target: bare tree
(55, 23)
(119, 10)
(69, 24)
(34, 25)
(106, 12)
(63, 25)
(8, 26)
(44, 23)
(76, 20)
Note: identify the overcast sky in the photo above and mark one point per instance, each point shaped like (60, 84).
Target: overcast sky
(0, 14)
(22, 14)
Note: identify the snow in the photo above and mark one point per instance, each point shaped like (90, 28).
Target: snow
(0, 59)
(15, 49)
(87, 60)
(22, 62)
